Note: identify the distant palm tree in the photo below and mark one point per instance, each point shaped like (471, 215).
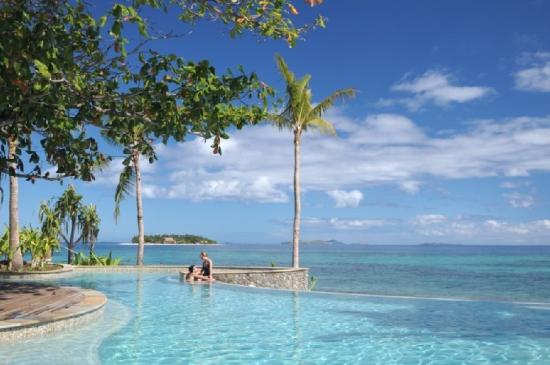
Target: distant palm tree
(298, 115)
(77, 220)
(51, 226)
(89, 226)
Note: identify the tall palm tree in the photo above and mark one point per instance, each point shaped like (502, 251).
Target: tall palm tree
(298, 115)
(15, 257)
(131, 176)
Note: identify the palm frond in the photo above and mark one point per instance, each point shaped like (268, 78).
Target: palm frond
(323, 125)
(283, 69)
(109, 139)
(324, 105)
(279, 121)
(125, 183)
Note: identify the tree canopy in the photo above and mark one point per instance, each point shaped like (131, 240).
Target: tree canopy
(60, 74)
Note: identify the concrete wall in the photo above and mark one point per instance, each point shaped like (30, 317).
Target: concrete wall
(263, 277)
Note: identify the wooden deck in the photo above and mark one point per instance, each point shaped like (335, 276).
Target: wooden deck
(24, 301)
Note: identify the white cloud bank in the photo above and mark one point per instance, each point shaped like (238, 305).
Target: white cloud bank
(536, 76)
(434, 87)
(462, 229)
(432, 227)
(257, 162)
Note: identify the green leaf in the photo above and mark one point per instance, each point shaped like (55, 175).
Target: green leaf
(42, 69)
(102, 21)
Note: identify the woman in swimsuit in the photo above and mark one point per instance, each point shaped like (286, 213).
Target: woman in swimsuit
(207, 266)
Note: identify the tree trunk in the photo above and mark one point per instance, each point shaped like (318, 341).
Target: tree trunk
(16, 261)
(70, 244)
(297, 202)
(141, 229)
(92, 245)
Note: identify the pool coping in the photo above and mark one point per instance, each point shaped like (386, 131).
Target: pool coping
(65, 268)
(88, 309)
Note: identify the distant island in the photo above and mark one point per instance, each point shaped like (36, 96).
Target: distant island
(316, 242)
(175, 239)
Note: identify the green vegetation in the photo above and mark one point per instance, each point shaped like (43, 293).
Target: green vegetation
(93, 259)
(178, 239)
(77, 222)
(66, 73)
(300, 114)
(312, 282)
(35, 242)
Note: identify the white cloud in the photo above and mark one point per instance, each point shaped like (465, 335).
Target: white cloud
(532, 228)
(434, 87)
(510, 185)
(536, 75)
(257, 162)
(458, 229)
(345, 199)
(387, 129)
(518, 200)
(410, 187)
(345, 223)
(429, 219)
(433, 227)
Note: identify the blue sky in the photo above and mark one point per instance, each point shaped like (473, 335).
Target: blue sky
(448, 139)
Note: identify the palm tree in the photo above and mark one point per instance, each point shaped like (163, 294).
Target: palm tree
(298, 115)
(77, 220)
(89, 226)
(67, 209)
(51, 226)
(131, 176)
(15, 257)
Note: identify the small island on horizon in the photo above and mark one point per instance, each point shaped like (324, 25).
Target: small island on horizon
(176, 239)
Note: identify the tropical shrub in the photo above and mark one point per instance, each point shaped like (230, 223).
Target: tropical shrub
(93, 259)
(38, 245)
(5, 244)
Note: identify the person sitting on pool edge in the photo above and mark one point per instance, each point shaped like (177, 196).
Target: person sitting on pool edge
(194, 274)
(207, 266)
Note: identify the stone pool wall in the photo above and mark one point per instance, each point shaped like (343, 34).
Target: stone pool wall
(263, 277)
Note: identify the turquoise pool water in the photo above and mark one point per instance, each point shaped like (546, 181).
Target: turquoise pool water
(155, 319)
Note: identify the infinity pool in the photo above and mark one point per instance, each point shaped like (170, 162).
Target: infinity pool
(155, 319)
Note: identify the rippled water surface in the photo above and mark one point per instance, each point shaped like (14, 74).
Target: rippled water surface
(479, 272)
(155, 319)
